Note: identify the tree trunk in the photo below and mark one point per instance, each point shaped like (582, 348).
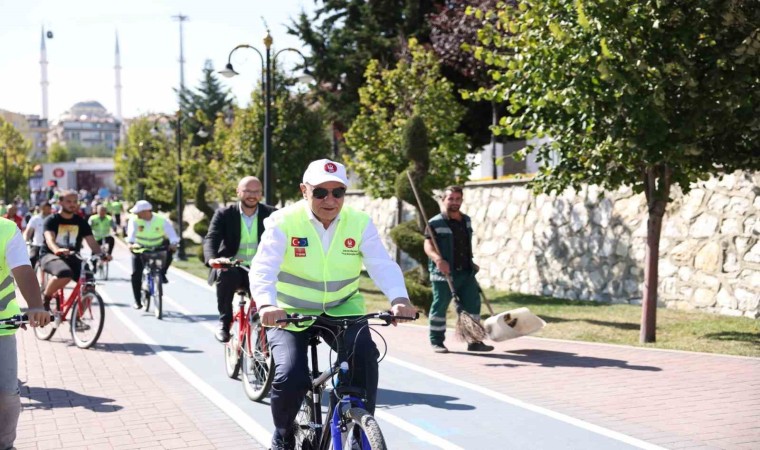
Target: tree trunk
(657, 182)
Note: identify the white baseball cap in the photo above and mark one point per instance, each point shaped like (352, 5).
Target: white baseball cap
(324, 170)
(140, 206)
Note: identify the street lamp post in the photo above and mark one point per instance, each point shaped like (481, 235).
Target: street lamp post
(141, 174)
(266, 68)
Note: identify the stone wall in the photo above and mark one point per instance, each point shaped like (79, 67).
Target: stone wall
(591, 244)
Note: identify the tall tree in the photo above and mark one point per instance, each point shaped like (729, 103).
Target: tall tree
(649, 94)
(344, 35)
(389, 99)
(201, 106)
(298, 136)
(16, 167)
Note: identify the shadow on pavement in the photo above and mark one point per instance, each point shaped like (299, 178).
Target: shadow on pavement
(549, 358)
(49, 398)
(603, 323)
(138, 349)
(387, 399)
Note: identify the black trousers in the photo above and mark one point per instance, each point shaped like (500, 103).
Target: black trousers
(291, 376)
(34, 254)
(137, 268)
(227, 283)
(110, 240)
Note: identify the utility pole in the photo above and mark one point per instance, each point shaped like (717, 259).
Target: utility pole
(181, 249)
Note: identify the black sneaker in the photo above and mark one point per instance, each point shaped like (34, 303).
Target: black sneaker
(479, 347)
(137, 305)
(164, 280)
(222, 335)
(439, 348)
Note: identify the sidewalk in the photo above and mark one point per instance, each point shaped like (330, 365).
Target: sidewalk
(108, 398)
(668, 398)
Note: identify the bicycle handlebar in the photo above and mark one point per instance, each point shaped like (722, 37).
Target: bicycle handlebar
(231, 264)
(385, 316)
(17, 320)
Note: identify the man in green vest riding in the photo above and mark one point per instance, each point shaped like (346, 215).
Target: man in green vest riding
(15, 267)
(147, 230)
(115, 208)
(102, 224)
(309, 261)
(234, 234)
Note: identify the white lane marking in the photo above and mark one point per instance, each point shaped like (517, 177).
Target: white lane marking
(519, 403)
(425, 436)
(256, 430)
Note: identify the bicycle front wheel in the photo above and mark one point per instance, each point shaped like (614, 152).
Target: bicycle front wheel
(362, 427)
(158, 294)
(46, 332)
(87, 317)
(258, 363)
(231, 355)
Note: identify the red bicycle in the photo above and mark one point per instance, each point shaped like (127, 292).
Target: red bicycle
(86, 307)
(248, 348)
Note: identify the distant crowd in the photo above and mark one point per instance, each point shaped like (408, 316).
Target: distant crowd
(21, 212)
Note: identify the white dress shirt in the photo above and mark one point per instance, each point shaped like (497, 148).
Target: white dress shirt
(168, 230)
(269, 257)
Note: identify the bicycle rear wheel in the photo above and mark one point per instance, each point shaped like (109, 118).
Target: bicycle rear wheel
(258, 363)
(158, 294)
(303, 426)
(231, 355)
(45, 333)
(362, 427)
(87, 317)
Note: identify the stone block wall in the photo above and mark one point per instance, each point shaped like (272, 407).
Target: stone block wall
(591, 244)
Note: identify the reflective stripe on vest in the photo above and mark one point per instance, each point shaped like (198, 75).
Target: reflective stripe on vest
(8, 305)
(249, 241)
(100, 227)
(312, 281)
(150, 235)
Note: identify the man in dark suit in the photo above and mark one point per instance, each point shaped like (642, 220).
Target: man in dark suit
(234, 233)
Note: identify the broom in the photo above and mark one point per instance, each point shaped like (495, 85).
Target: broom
(468, 328)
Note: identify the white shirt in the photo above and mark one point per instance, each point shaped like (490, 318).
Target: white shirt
(269, 257)
(168, 230)
(37, 222)
(15, 252)
(248, 220)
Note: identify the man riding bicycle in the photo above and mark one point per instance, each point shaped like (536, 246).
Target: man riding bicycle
(35, 232)
(148, 230)
(234, 232)
(309, 261)
(64, 232)
(102, 224)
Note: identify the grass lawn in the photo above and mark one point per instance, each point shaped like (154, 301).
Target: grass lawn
(593, 322)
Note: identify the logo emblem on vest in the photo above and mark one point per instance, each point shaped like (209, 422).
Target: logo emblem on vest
(300, 252)
(140, 228)
(349, 248)
(299, 242)
(331, 168)
(349, 243)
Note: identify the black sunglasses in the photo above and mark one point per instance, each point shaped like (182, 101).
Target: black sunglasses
(321, 193)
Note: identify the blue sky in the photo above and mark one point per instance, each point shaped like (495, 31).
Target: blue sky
(81, 53)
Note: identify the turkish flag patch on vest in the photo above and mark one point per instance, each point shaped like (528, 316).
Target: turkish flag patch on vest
(299, 242)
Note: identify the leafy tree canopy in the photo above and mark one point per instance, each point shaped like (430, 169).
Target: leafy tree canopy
(15, 155)
(388, 99)
(200, 107)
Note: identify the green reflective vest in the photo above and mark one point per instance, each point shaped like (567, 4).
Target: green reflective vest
(312, 281)
(100, 227)
(150, 236)
(249, 241)
(114, 207)
(8, 304)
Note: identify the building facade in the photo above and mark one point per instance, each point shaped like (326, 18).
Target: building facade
(32, 127)
(88, 124)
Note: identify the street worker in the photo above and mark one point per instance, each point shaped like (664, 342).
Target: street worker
(234, 234)
(452, 230)
(102, 224)
(309, 261)
(15, 267)
(147, 231)
(64, 233)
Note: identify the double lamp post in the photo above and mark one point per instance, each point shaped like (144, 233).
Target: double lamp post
(266, 69)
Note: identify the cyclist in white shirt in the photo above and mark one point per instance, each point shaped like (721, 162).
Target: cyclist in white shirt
(35, 233)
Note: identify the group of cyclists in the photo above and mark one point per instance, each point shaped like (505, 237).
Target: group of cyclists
(305, 258)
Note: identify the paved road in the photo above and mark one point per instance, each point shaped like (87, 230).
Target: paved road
(161, 384)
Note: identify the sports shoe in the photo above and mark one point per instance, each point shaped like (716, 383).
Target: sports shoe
(222, 333)
(439, 348)
(164, 280)
(479, 347)
(137, 305)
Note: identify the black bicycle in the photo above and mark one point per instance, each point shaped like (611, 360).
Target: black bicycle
(151, 288)
(350, 425)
